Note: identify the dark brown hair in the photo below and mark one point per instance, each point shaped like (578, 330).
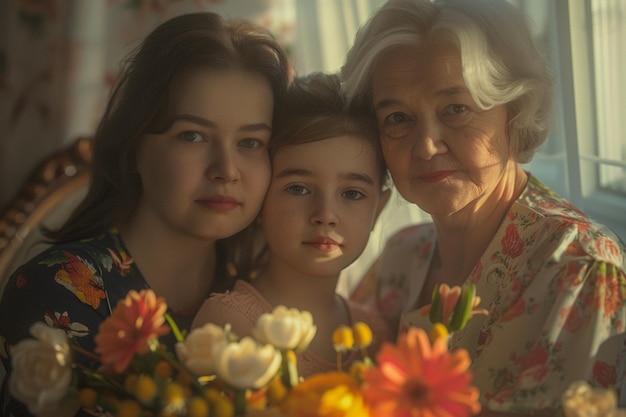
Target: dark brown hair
(141, 103)
(315, 108)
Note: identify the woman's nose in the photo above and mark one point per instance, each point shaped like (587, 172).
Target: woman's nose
(427, 140)
(223, 166)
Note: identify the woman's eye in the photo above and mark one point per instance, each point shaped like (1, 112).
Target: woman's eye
(395, 126)
(251, 143)
(353, 195)
(297, 190)
(456, 115)
(191, 136)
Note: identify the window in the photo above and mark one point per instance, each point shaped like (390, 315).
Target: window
(585, 157)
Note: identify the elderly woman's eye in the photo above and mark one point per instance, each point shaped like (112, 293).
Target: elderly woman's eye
(396, 126)
(456, 115)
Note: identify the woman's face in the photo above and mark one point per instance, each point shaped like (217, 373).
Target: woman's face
(206, 176)
(444, 153)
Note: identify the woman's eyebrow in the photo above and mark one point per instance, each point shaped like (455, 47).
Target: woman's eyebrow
(252, 127)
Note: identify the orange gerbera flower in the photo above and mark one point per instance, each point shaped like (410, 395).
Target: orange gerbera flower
(134, 324)
(417, 379)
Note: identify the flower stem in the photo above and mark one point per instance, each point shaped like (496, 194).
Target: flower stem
(290, 369)
(239, 402)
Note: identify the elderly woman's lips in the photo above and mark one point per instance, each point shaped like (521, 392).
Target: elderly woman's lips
(435, 176)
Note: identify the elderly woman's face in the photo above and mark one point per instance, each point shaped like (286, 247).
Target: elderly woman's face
(444, 153)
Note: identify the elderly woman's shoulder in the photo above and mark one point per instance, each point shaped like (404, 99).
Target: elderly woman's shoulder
(551, 217)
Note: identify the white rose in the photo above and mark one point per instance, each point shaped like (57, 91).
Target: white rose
(581, 400)
(246, 364)
(196, 352)
(42, 371)
(286, 328)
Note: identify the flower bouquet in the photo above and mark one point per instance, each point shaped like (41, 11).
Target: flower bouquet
(213, 373)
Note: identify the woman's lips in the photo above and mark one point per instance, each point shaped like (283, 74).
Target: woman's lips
(220, 203)
(435, 176)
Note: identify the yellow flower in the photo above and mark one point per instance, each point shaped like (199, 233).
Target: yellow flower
(343, 338)
(332, 394)
(198, 407)
(438, 331)
(145, 389)
(88, 397)
(128, 408)
(362, 334)
(220, 406)
(173, 396)
(163, 370)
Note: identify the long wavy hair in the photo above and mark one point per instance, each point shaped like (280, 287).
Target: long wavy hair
(141, 102)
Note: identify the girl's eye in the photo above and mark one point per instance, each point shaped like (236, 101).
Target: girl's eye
(191, 136)
(353, 195)
(298, 190)
(396, 126)
(251, 143)
(456, 115)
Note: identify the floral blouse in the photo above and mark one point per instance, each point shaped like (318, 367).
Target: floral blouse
(73, 286)
(554, 283)
(242, 307)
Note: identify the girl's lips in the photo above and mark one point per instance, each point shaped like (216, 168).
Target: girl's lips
(323, 244)
(435, 176)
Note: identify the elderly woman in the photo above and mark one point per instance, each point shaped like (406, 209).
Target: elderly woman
(462, 97)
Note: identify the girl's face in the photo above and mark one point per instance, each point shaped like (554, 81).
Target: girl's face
(206, 176)
(444, 153)
(321, 205)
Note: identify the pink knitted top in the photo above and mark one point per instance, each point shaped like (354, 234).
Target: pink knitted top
(243, 306)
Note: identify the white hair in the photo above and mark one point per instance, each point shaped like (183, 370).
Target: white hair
(501, 65)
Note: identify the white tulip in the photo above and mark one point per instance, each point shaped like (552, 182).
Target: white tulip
(42, 372)
(246, 364)
(197, 351)
(286, 328)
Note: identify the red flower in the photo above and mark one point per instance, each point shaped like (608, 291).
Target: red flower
(605, 374)
(136, 321)
(415, 378)
(512, 243)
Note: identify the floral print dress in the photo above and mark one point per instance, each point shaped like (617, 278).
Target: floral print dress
(554, 283)
(73, 286)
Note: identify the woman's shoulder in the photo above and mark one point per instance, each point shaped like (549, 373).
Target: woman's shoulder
(548, 219)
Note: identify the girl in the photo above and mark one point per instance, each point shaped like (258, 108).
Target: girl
(324, 198)
(180, 161)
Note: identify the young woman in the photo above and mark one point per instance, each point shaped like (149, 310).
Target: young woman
(326, 192)
(180, 162)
